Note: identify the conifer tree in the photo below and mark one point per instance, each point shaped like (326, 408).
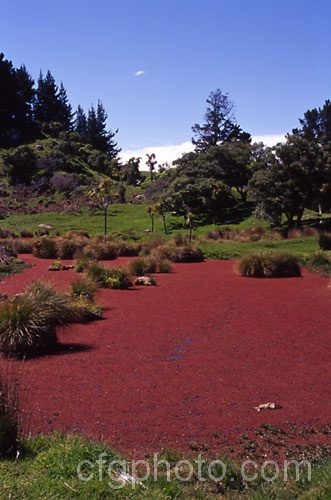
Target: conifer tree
(81, 122)
(51, 102)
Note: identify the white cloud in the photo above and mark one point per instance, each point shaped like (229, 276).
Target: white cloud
(140, 72)
(269, 139)
(164, 154)
(167, 154)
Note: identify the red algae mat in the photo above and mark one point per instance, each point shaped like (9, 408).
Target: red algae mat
(187, 361)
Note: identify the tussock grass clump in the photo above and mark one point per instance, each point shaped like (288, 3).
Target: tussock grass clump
(26, 234)
(83, 287)
(142, 266)
(165, 267)
(318, 261)
(45, 248)
(28, 321)
(68, 248)
(174, 253)
(325, 241)
(25, 329)
(83, 309)
(269, 265)
(126, 249)
(9, 416)
(99, 251)
(116, 278)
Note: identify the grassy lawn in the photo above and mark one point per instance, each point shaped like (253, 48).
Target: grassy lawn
(134, 220)
(122, 218)
(234, 249)
(48, 469)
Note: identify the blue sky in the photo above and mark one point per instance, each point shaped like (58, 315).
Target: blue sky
(272, 56)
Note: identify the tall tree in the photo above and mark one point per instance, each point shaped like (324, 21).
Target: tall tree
(219, 123)
(151, 162)
(14, 112)
(316, 124)
(290, 180)
(26, 89)
(81, 123)
(97, 133)
(51, 103)
(65, 109)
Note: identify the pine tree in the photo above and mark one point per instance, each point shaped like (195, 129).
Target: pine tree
(81, 122)
(97, 133)
(13, 109)
(219, 123)
(26, 88)
(51, 102)
(65, 109)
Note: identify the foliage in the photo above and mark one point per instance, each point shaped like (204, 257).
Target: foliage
(25, 328)
(143, 266)
(45, 248)
(99, 251)
(178, 254)
(9, 415)
(20, 165)
(269, 265)
(219, 123)
(165, 266)
(325, 241)
(318, 261)
(42, 473)
(83, 287)
(290, 179)
(115, 278)
(83, 309)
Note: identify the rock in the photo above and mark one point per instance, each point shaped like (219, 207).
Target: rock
(144, 281)
(268, 406)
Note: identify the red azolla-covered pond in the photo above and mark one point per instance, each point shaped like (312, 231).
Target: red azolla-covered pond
(186, 361)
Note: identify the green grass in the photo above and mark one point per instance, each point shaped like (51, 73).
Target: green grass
(122, 218)
(48, 469)
(234, 249)
(133, 219)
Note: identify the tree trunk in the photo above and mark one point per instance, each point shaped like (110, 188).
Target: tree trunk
(299, 216)
(191, 228)
(105, 221)
(152, 219)
(164, 224)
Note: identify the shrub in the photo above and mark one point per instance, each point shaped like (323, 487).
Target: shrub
(165, 267)
(179, 254)
(269, 265)
(325, 241)
(118, 279)
(9, 416)
(45, 248)
(141, 267)
(83, 287)
(109, 277)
